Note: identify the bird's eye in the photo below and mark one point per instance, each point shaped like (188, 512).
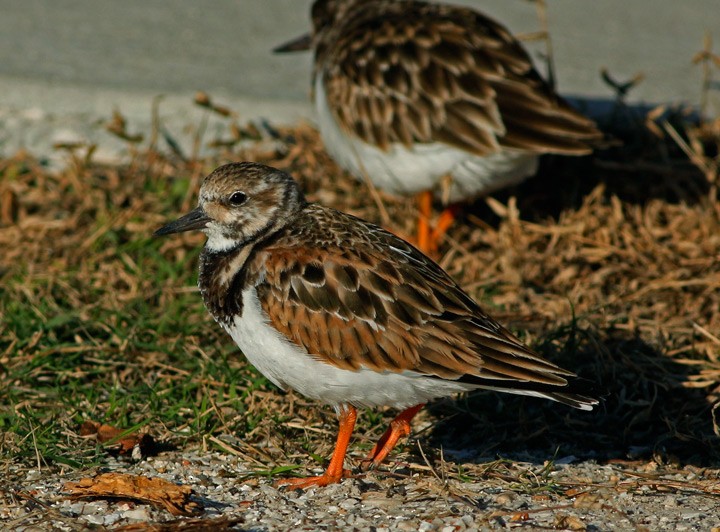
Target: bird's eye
(237, 198)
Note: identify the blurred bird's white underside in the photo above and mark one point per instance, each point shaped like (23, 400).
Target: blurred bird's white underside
(402, 170)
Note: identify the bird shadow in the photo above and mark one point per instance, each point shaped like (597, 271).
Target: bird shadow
(645, 412)
(640, 163)
(646, 409)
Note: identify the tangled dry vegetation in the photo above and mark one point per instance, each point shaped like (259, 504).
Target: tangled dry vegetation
(607, 265)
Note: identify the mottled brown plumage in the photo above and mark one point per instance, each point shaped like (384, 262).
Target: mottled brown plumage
(345, 312)
(425, 97)
(399, 71)
(405, 73)
(396, 308)
(350, 293)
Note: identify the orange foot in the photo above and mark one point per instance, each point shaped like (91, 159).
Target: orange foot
(335, 472)
(313, 482)
(399, 427)
(428, 239)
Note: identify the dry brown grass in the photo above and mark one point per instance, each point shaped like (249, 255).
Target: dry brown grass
(609, 266)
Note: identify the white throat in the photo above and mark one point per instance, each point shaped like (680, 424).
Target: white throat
(216, 240)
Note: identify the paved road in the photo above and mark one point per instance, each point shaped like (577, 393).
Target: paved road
(65, 64)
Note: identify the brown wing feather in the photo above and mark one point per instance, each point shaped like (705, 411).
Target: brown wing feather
(461, 79)
(364, 298)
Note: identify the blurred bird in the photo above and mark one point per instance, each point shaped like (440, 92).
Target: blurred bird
(346, 313)
(423, 97)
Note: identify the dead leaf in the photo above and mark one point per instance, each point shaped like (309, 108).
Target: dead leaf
(519, 517)
(126, 444)
(588, 500)
(219, 524)
(174, 498)
(569, 522)
(574, 492)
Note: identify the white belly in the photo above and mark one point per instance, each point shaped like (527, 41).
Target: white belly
(289, 366)
(403, 170)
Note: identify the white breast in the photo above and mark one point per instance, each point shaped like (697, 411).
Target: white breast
(403, 170)
(290, 366)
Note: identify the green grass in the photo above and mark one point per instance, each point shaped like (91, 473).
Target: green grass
(100, 321)
(135, 364)
(112, 335)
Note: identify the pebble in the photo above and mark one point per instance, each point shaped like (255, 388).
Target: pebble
(349, 504)
(690, 514)
(95, 519)
(509, 499)
(380, 503)
(138, 514)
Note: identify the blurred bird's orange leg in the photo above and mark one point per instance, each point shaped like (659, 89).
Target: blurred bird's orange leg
(423, 230)
(399, 427)
(445, 221)
(335, 472)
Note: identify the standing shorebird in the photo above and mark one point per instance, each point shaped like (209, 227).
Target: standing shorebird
(424, 98)
(345, 312)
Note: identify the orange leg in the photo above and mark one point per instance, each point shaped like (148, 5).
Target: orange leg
(423, 228)
(399, 427)
(335, 472)
(428, 238)
(444, 223)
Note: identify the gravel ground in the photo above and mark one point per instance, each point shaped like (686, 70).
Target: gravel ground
(587, 496)
(464, 493)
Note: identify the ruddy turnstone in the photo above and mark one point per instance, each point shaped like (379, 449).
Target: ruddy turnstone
(415, 95)
(345, 312)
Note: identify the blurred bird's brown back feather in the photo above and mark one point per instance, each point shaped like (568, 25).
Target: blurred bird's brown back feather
(459, 78)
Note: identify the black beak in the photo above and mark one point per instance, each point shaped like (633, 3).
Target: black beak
(299, 44)
(195, 219)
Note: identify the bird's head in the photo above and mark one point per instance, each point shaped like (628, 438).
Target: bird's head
(324, 15)
(240, 203)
